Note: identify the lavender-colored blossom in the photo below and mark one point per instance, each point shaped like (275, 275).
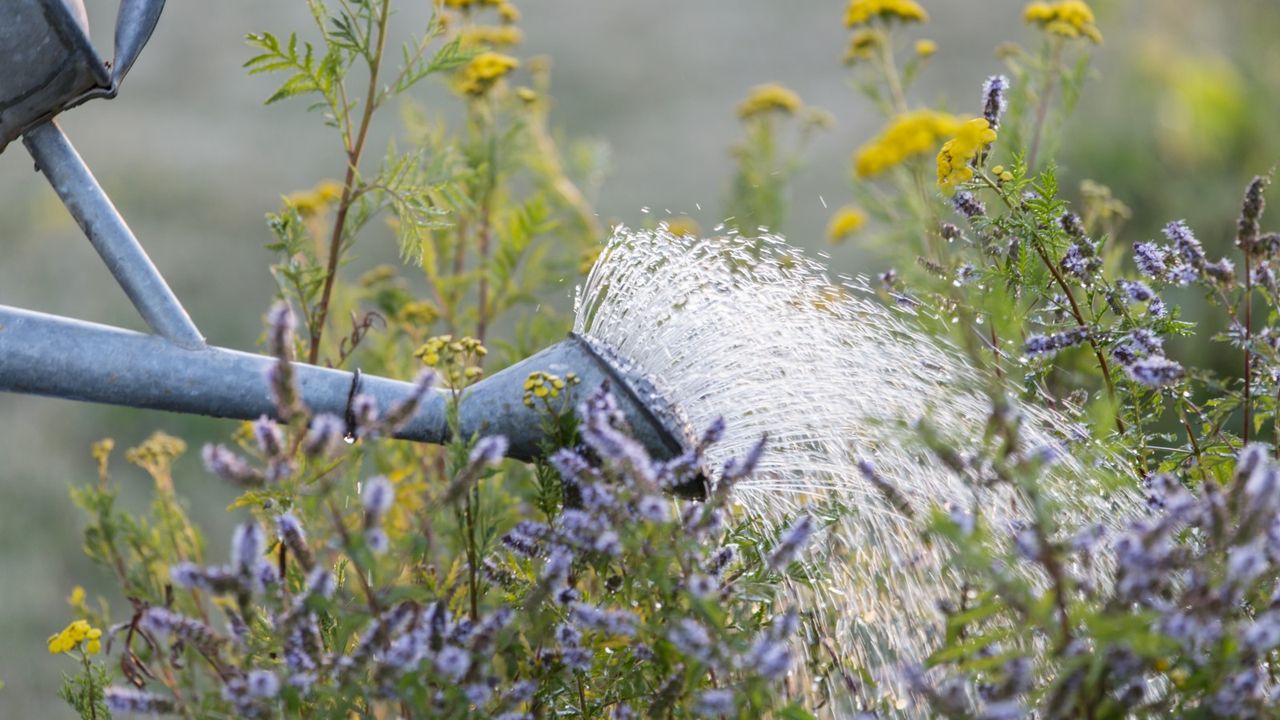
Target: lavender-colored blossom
(219, 580)
(701, 586)
(295, 539)
(719, 560)
(714, 703)
(364, 414)
(737, 468)
(162, 621)
(1223, 271)
(282, 384)
(262, 683)
(1183, 275)
(269, 436)
(1188, 247)
(376, 540)
(556, 569)
(1263, 634)
(1245, 563)
(402, 412)
(1150, 259)
(1136, 345)
(489, 450)
(994, 99)
(1071, 225)
(320, 583)
(769, 656)
(323, 436)
(1251, 213)
(477, 693)
(1042, 345)
(1156, 308)
(247, 545)
(653, 508)
(280, 328)
(221, 461)
(1136, 290)
(1155, 371)
(600, 417)
(130, 700)
(608, 543)
(611, 622)
(692, 639)
(968, 205)
(377, 498)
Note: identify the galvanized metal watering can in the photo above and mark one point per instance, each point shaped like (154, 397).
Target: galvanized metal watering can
(50, 66)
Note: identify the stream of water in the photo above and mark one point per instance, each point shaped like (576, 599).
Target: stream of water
(756, 332)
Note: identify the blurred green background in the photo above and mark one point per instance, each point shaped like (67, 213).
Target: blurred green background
(1180, 115)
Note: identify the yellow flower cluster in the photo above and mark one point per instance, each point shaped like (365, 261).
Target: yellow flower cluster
(958, 152)
(1067, 18)
(316, 200)
(926, 48)
(844, 223)
(861, 12)
(914, 133)
(485, 70)
(545, 385)
(455, 359)
(418, 313)
(769, 98)
(72, 635)
(491, 35)
(863, 44)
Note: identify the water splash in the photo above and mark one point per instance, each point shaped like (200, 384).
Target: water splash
(752, 330)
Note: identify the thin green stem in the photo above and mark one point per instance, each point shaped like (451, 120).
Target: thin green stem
(1042, 103)
(348, 185)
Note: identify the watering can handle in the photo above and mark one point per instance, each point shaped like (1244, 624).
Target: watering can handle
(135, 22)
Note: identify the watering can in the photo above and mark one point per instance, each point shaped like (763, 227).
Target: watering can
(50, 66)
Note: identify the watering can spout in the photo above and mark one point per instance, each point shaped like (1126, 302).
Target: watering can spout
(60, 357)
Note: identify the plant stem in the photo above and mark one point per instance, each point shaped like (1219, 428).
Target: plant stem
(1248, 341)
(1042, 104)
(1079, 316)
(348, 184)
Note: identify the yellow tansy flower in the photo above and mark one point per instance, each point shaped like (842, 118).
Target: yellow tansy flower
(1066, 18)
(926, 48)
(491, 35)
(913, 133)
(72, 635)
(76, 599)
(768, 98)
(958, 152)
(863, 44)
(485, 70)
(509, 13)
(861, 12)
(844, 223)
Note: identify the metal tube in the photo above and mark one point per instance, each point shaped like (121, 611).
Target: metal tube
(54, 356)
(111, 237)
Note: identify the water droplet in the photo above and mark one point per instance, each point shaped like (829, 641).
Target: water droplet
(349, 439)
(645, 209)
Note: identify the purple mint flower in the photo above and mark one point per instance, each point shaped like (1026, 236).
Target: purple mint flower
(323, 436)
(1185, 241)
(489, 450)
(378, 497)
(229, 466)
(294, 538)
(247, 545)
(262, 684)
(1155, 371)
(994, 100)
(654, 509)
(1150, 259)
(1040, 345)
(791, 542)
(364, 414)
(1136, 290)
(377, 541)
(270, 438)
(452, 662)
(128, 700)
(968, 205)
(714, 703)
